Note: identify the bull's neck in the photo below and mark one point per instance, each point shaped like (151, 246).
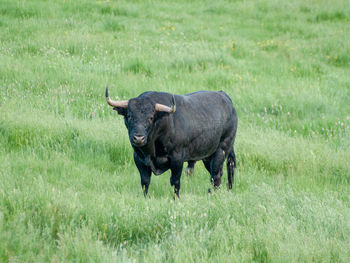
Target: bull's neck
(145, 151)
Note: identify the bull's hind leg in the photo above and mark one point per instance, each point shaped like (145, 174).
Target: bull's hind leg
(206, 163)
(190, 167)
(216, 163)
(231, 165)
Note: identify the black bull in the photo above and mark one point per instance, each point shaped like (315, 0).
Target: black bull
(196, 126)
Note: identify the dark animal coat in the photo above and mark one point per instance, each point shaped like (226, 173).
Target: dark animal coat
(203, 127)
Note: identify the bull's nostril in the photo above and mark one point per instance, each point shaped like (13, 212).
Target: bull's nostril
(139, 139)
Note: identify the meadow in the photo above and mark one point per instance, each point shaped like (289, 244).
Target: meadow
(69, 189)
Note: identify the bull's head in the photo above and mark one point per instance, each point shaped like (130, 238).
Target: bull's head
(139, 116)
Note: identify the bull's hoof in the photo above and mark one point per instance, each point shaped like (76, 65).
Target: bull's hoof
(189, 171)
(209, 190)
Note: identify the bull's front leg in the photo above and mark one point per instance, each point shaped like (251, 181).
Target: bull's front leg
(145, 174)
(176, 166)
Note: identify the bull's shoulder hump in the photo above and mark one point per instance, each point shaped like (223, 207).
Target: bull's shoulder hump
(203, 94)
(200, 92)
(200, 96)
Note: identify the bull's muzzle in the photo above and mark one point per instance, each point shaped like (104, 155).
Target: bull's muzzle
(139, 140)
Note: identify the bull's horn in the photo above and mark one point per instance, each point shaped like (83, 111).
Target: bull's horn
(114, 103)
(161, 107)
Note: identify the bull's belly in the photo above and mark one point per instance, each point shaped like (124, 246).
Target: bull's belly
(201, 148)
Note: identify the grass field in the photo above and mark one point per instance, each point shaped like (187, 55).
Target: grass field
(69, 190)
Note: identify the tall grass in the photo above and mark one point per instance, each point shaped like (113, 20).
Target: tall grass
(69, 190)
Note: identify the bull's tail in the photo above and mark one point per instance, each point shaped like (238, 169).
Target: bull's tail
(231, 165)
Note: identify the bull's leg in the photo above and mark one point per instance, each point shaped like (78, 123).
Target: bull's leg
(190, 167)
(216, 164)
(206, 162)
(176, 166)
(231, 165)
(145, 174)
(145, 182)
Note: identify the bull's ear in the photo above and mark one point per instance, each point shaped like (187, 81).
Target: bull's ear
(121, 111)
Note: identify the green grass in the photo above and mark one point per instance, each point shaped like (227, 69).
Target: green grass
(69, 190)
